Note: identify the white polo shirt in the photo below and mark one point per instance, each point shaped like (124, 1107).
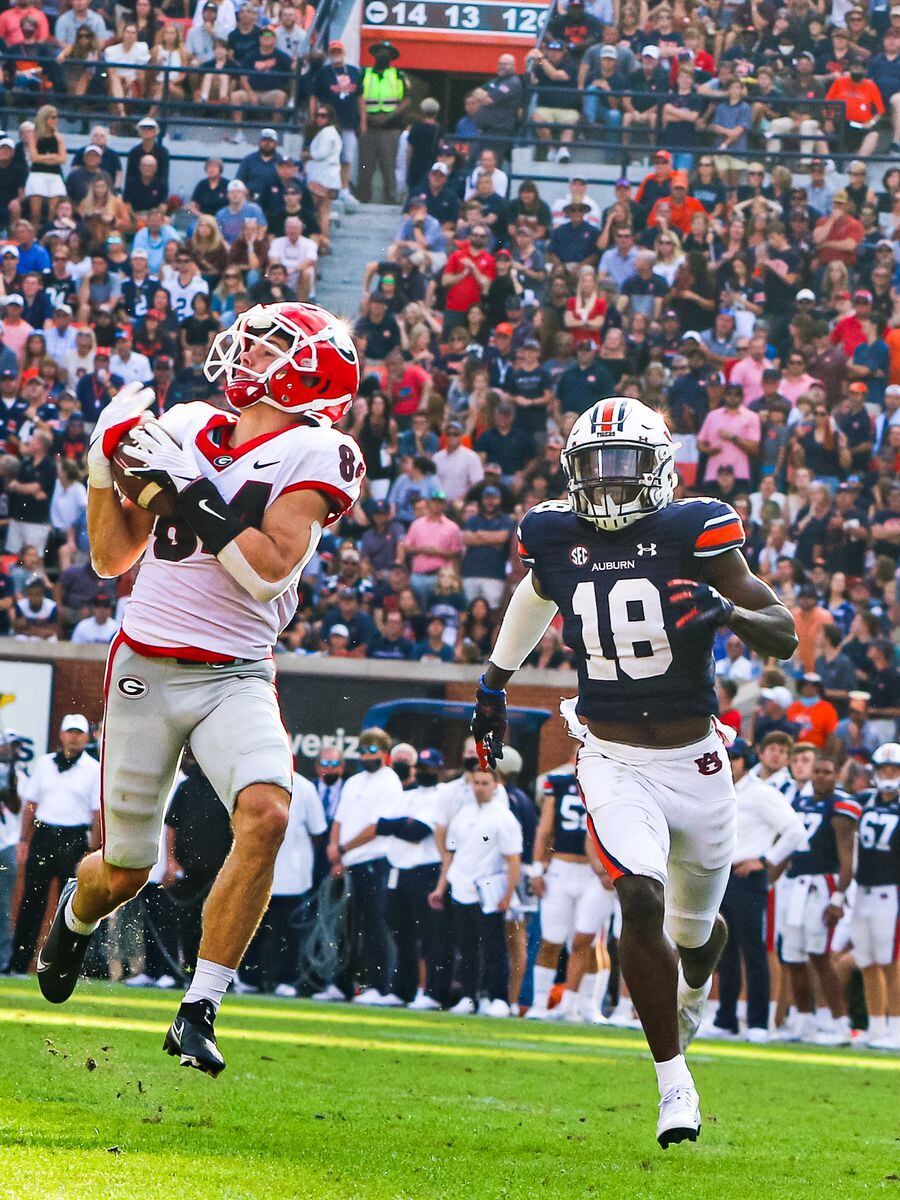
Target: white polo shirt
(481, 836)
(64, 797)
(421, 805)
(10, 822)
(365, 798)
(455, 794)
(294, 864)
(767, 826)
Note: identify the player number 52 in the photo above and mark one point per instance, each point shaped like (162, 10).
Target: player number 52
(642, 648)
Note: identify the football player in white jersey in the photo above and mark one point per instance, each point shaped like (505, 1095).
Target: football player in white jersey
(193, 662)
(642, 582)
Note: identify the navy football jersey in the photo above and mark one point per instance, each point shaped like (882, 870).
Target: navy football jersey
(569, 814)
(878, 853)
(611, 591)
(820, 855)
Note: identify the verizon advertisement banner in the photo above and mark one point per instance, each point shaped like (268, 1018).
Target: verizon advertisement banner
(25, 691)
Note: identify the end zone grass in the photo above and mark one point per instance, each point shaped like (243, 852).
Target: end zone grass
(340, 1103)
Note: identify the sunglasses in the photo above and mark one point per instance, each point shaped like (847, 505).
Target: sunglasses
(329, 762)
(370, 749)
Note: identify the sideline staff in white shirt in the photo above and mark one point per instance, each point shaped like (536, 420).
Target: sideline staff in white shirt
(10, 825)
(60, 823)
(374, 792)
(275, 952)
(768, 832)
(486, 841)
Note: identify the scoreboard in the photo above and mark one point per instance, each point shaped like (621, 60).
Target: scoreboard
(457, 37)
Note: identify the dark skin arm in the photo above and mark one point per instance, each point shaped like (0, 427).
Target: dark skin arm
(845, 835)
(760, 620)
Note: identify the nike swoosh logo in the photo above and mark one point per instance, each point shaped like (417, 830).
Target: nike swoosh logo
(204, 504)
(258, 466)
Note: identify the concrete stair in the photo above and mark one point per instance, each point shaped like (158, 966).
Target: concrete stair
(362, 236)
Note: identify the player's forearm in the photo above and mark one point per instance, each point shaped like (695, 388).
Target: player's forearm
(769, 631)
(845, 836)
(117, 534)
(362, 839)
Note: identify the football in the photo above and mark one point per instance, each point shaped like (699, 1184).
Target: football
(155, 493)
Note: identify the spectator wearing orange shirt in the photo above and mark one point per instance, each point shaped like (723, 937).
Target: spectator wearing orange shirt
(815, 715)
(863, 106)
(682, 207)
(838, 236)
(809, 621)
(11, 23)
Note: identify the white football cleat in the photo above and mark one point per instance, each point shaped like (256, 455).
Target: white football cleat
(679, 1115)
(329, 995)
(497, 1008)
(838, 1033)
(464, 1007)
(141, 980)
(537, 1014)
(757, 1035)
(887, 1041)
(715, 1033)
(690, 1009)
(368, 996)
(166, 982)
(243, 989)
(623, 1016)
(390, 1000)
(286, 991)
(424, 1003)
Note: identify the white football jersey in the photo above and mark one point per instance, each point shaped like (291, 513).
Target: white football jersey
(184, 599)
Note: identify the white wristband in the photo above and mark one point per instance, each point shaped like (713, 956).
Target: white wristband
(99, 474)
(537, 870)
(838, 899)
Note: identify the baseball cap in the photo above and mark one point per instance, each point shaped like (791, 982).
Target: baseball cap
(429, 757)
(13, 298)
(778, 695)
(691, 335)
(9, 373)
(531, 344)
(63, 308)
(453, 427)
(771, 373)
(339, 630)
(8, 142)
(268, 132)
(441, 167)
(609, 52)
(10, 249)
(863, 294)
(138, 253)
(679, 179)
(147, 123)
(805, 294)
(381, 506)
(335, 45)
(417, 201)
(103, 597)
(89, 149)
(504, 329)
(860, 389)
(652, 52)
(623, 182)
(858, 700)
(75, 721)
(490, 490)
(164, 361)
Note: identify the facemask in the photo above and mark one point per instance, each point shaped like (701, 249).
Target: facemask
(470, 762)
(427, 778)
(371, 765)
(809, 701)
(330, 777)
(403, 771)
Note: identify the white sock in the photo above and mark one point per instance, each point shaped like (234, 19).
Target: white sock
(587, 993)
(668, 1074)
(567, 1001)
(210, 982)
(773, 1011)
(893, 1027)
(85, 928)
(878, 1027)
(742, 1011)
(823, 1018)
(543, 982)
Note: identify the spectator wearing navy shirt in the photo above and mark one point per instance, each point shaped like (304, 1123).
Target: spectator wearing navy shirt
(393, 642)
(259, 170)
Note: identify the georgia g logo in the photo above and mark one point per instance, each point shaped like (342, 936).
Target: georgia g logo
(709, 764)
(131, 687)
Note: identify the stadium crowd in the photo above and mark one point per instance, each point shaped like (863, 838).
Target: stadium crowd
(756, 302)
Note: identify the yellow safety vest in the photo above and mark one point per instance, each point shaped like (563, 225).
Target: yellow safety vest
(383, 93)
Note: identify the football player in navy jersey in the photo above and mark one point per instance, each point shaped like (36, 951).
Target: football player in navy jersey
(818, 878)
(875, 909)
(642, 583)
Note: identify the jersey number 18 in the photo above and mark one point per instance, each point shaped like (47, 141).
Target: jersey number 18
(635, 617)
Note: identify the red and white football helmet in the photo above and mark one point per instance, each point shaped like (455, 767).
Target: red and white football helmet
(315, 372)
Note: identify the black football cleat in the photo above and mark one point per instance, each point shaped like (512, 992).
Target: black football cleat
(59, 959)
(191, 1036)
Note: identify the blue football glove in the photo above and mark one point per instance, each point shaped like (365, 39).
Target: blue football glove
(698, 604)
(489, 725)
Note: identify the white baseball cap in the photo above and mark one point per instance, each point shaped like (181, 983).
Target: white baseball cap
(651, 51)
(805, 294)
(779, 695)
(75, 721)
(14, 298)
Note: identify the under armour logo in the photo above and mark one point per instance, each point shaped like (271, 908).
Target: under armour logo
(642, 549)
(579, 556)
(709, 764)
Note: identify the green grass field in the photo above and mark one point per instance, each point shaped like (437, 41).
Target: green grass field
(318, 1102)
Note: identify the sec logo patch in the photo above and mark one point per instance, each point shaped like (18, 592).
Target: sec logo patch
(131, 687)
(580, 556)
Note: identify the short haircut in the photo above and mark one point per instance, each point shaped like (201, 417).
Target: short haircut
(778, 737)
(804, 747)
(375, 737)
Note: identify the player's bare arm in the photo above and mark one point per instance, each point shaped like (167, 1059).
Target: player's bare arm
(845, 836)
(759, 618)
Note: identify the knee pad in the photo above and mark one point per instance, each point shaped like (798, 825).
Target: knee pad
(689, 931)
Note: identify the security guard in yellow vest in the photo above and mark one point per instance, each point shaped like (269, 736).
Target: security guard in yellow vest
(386, 98)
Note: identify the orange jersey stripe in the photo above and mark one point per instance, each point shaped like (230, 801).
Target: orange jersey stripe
(720, 536)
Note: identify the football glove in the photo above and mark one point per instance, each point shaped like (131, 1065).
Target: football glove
(161, 454)
(489, 725)
(698, 604)
(122, 413)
